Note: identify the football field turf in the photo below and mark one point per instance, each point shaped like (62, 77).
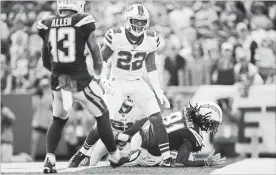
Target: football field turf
(232, 166)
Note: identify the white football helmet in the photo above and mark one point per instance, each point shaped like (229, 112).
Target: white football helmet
(211, 115)
(77, 6)
(126, 106)
(137, 19)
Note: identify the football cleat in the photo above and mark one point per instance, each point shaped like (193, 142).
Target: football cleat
(131, 156)
(167, 163)
(76, 159)
(49, 167)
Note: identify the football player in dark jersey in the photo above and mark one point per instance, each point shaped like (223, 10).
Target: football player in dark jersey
(184, 129)
(65, 36)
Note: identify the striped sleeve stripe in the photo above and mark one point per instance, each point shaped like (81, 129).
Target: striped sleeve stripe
(86, 20)
(40, 25)
(108, 40)
(158, 44)
(108, 35)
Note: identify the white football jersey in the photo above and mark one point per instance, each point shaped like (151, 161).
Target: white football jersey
(128, 57)
(121, 122)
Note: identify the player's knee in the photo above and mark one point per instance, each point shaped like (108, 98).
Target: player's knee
(156, 119)
(60, 121)
(104, 116)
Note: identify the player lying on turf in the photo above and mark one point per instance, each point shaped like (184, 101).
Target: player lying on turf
(125, 118)
(65, 36)
(129, 48)
(184, 129)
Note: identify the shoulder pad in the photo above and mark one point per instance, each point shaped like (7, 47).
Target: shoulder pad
(151, 33)
(45, 22)
(117, 30)
(83, 19)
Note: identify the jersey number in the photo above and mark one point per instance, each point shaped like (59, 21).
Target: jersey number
(173, 122)
(63, 45)
(125, 60)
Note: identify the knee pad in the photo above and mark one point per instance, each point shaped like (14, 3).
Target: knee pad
(156, 119)
(60, 121)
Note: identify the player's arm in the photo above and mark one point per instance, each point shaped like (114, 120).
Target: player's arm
(106, 52)
(187, 148)
(184, 153)
(127, 134)
(154, 79)
(96, 53)
(45, 56)
(41, 27)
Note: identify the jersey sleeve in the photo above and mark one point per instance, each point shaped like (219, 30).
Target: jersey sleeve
(109, 38)
(154, 39)
(87, 23)
(41, 28)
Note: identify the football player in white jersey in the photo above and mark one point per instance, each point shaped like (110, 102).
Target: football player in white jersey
(130, 48)
(125, 118)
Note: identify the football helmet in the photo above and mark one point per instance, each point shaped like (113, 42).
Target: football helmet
(206, 114)
(77, 6)
(137, 19)
(126, 106)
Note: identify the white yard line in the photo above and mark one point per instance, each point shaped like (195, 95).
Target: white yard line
(249, 166)
(36, 167)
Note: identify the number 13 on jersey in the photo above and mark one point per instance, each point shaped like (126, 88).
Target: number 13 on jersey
(63, 45)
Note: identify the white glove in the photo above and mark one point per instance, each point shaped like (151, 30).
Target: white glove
(108, 86)
(213, 160)
(164, 100)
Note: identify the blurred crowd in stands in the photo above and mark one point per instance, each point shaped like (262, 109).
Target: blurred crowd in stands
(203, 42)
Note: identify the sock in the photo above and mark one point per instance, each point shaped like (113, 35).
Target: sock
(160, 135)
(115, 156)
(51, 157)
(90, 140)
(105, 132)
(54, 134)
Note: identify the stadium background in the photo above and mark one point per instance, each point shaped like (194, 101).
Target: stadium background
(199, 58)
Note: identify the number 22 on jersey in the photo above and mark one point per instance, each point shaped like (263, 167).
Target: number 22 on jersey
(63, 45)
(125, 60)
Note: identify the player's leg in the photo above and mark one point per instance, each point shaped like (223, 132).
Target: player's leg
(147, 102)
(90, 140)
(97, 153)
(54, 132)
(97, 107)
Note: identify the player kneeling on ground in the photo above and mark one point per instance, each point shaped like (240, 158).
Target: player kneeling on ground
(121, 122)
(184, 129)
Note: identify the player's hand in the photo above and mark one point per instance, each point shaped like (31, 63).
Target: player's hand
(108, 86)
(213, 160)
(164, 100)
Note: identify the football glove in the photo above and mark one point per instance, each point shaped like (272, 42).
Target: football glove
(164, 100)
(213, 160)
(108, 86)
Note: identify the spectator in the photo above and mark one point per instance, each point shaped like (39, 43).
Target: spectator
(246, 40)
(7, 120)
(197, 69)
(246, 74)
(223, 70)
(260, 19)
(174, 64)
(42, 117)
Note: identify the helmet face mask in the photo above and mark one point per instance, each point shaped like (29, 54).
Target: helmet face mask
(137, 19)
(77, 6)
